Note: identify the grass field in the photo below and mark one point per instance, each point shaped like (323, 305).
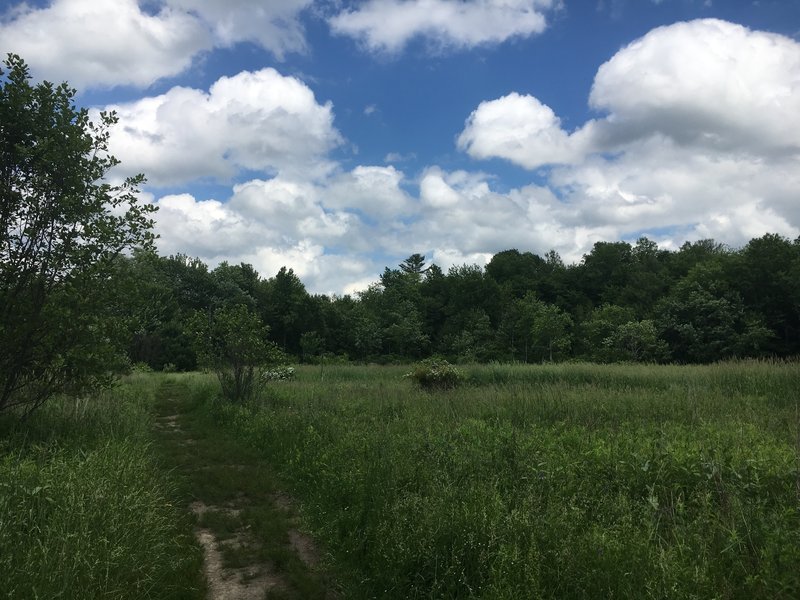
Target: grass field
(85, 509)
(557, 481)
(563, 481)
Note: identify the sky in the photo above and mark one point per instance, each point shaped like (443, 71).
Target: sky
(338, 137)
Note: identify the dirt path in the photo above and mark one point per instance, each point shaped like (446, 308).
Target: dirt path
(249, 531)
(232, 583)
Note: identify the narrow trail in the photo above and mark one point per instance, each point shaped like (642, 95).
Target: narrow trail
(248, 530)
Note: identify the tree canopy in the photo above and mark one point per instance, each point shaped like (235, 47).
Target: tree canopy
(62, 227)
(623, 302)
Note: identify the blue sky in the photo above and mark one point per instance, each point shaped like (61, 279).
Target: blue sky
(338, 137)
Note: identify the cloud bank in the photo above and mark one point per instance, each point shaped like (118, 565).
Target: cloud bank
(700, 134)
(696, 135)
(108, 43)
(89, 42)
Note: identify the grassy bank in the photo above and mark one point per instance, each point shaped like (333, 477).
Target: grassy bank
(565, 481)
(85, 509)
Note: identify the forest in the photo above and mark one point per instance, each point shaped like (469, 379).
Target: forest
(622, 303)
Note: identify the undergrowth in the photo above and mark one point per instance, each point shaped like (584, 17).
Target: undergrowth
(85, 510)
(562, 481)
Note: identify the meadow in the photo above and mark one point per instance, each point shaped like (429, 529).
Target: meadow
(551, 481)
(554, 481)
(87, 510)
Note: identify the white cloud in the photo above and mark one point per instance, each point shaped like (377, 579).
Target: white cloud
(435, 191)
(306, 226)
(445, 258)
(388, 25)
(462, 216)
(520, 129)
(659, 184)
(291, 210)
(269, 224)
(371, 190)
(208, 229)
(706, 83)
(274, 25)
(103, 42)
(261, 121)
(331, 242)
(395, 157)
(701, 135)
(329, 233)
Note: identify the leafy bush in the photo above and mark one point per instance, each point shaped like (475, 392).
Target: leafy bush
(436, 374)
(62, 227)
(278, 373)
(233, 342)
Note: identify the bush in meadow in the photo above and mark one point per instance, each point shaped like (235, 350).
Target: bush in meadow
(436, 374)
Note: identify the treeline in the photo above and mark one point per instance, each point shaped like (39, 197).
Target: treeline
(622, 302)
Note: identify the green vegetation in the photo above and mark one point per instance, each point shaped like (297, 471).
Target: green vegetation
(436, 374)
(563, 481)
(558, 481)
(237, 487)
(621, 303)
(85, 509)
(232, 342)
(61, 230)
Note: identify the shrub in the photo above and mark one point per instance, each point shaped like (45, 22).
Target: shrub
(232, 341)
(278, 373)
(436, 374)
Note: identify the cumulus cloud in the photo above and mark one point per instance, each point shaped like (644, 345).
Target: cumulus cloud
(388, 25)
(261, 121)
(705, 83)
(205, 228)
(267, 223)
(103, 42)
(520, 129)
(330, 237)
(274, 25)
(325, 230)
(659, 184)
(701, 136)
(435, 192)
(371, 190)
(461, 215)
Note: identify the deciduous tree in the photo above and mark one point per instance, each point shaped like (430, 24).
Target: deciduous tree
(62, 225)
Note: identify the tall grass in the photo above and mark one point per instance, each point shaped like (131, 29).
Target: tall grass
(564, 481)
(85, 510)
